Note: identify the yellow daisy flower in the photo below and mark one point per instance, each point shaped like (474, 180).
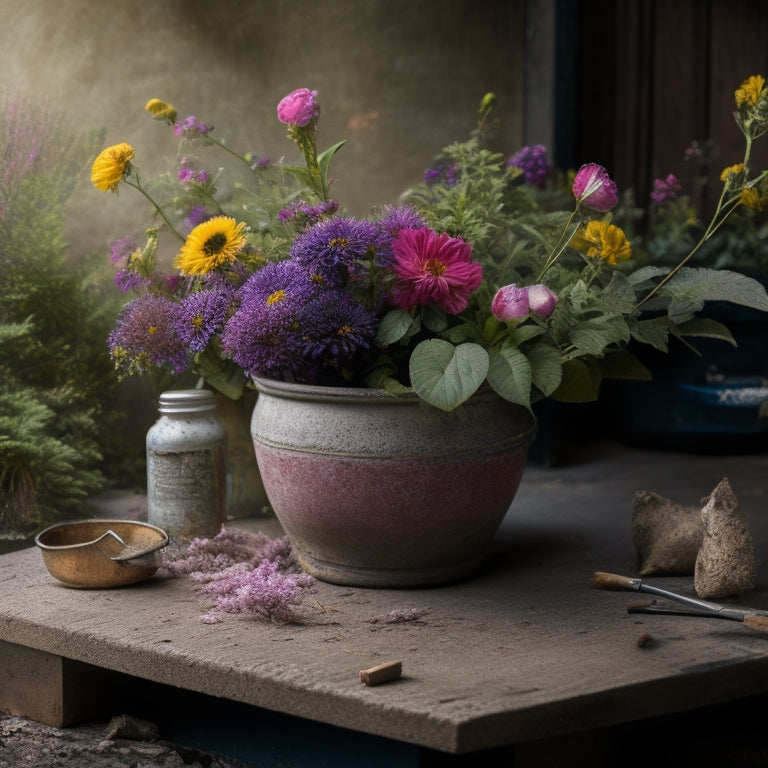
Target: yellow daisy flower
(161, 110)
(748, 94)
(605, 241)
(211, 244)
(111, 165)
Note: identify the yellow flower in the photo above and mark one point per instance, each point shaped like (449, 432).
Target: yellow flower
(161, 110)
(605, 241)
(752, 198)
(111, 165)
(748, 94)
(732, 170)
(211, 244)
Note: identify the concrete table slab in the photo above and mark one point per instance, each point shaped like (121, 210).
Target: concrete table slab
(525, 650)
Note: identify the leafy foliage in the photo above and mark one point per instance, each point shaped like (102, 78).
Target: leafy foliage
(53, 316)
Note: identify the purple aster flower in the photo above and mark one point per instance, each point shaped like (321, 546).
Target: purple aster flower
(145, 336)
(262, 162)
(202, 317)
(262, 335)
(190, 128)
(332, 248)
(335, 327)
(392, 220)
(533, 162)
(196, 216)
(122, 250)
(128, 280)
(665, 189)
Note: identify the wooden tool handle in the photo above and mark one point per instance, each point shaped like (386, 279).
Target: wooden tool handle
(603, 580)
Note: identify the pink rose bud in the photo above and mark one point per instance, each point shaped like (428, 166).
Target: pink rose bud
(298, 108)
(541, 300)
(595, 188)
(510, 303)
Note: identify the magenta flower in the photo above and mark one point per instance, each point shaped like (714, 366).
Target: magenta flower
(298, 108)
(665, 189)
(510, 304)
(593, 187)
(433, 269)
(541, 300)
(191, 128)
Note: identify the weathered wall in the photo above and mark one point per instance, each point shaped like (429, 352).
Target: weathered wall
(397, 78)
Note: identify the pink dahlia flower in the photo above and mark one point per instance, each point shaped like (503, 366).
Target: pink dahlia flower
(510, 303)
(433, 269)
(298, 107)
(595, 188)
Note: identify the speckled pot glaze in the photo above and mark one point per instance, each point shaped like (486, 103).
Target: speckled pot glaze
(381, 491)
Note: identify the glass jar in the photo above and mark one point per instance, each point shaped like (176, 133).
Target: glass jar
(186, 466)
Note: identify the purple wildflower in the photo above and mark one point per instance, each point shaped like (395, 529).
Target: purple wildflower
(202, 316)
(128, 280)
(190, 128)
(196, 216)
(122, 250)
(665, 189)
(447, 175)
(307, 214)
(534, 164)
(266, 591)
(262, 162)
(333, 248)
(189, 176)
(229, 547)
(145, 336)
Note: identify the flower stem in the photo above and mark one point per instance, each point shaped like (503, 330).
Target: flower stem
(560, 245)
(146, 194)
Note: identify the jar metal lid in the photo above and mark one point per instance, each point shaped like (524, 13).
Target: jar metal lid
(187, 401)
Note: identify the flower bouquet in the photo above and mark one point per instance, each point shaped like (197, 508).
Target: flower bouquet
(472, 279)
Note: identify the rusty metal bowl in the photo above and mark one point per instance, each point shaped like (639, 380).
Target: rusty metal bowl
(95, 554)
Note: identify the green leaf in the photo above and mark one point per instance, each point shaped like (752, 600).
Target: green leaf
(510, 375)
(324, 161)
(580, 384)
(394, 325)
(706, 327)
(621, 364)
(654, 332)
(592, 336)
(690, 288)
(445, 376)
(547, 367)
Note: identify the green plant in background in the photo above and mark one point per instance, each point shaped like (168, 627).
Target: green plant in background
(54, 373)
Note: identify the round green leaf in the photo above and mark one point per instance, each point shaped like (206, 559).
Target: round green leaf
(445, 376)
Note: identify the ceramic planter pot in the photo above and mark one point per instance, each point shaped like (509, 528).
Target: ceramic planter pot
(381, 491)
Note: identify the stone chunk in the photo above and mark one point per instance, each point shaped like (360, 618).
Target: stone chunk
(725, 564)
(667, 535)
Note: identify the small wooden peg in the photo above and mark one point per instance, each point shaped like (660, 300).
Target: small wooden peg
(382, 673)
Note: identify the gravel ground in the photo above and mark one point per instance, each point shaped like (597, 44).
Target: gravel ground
(120, 743)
